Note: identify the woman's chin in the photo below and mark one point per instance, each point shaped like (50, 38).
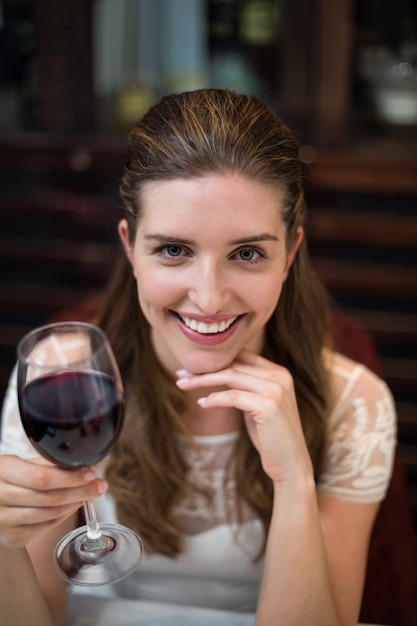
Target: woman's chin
(208, 365)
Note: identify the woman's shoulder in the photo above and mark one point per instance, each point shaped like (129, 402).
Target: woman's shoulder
(361, 432)
(350, 379)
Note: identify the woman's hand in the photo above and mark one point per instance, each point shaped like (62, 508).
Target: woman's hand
(36, 495)
(264, 392)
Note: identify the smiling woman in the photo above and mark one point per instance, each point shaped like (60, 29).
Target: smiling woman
(220, 259)
(253, 457)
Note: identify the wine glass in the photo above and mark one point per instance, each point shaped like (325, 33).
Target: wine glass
(71, 405)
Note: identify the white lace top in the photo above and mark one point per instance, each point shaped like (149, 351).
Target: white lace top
(216, 568)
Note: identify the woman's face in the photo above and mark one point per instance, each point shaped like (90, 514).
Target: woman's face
(210, 259)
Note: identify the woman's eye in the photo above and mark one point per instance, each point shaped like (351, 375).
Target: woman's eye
(173, 250)
(249, 255)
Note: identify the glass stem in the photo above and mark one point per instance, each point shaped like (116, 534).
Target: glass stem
(93, 527)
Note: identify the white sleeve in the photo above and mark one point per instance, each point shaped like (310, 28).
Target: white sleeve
(13, 438)
(361, 438)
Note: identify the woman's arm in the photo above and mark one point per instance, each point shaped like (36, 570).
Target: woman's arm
(30, 592)
(317, 545)
(315, 559)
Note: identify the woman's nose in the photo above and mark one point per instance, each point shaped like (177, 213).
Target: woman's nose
(210, 290)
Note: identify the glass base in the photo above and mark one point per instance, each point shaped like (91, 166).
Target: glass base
(81, 561)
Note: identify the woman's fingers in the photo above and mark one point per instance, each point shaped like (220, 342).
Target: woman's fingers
(17, 496)
(255, 368)
(248, 385)
(35, 495)
(13, 517)
(21, 535)
(39, 474)
(260, 406)
(30, 483)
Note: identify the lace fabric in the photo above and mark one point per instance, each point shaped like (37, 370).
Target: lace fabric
(361, 435)
(209, 459)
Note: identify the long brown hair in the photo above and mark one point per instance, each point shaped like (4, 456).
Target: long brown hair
(184, 136)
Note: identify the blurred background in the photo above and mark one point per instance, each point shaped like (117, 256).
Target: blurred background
(74, 76)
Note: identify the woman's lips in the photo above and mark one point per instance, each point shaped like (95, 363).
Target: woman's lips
(207, 332)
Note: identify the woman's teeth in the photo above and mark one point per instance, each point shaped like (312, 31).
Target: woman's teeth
(207, 329)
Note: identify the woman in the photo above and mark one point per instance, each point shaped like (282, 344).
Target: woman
(253, 457)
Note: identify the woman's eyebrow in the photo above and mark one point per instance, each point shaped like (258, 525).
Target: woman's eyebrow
(254, 238)
(168, 239)
(234, 242)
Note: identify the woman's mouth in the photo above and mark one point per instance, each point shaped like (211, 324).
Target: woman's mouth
(207, 328)
(207, 332)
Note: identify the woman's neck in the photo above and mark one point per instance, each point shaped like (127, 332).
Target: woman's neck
(215, 421)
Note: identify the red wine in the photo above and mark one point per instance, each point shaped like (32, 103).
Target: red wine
(72, 417)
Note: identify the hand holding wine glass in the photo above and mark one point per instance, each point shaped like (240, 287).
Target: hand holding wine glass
(71, 405)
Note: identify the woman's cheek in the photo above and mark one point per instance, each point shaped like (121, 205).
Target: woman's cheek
(157, 290)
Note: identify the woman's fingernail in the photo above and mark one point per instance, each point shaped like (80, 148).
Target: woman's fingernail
(183, 373)
(89, 475)
(201, 401)
(181, 381)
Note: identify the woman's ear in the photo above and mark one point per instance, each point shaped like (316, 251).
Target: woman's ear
(123, 231)
(291, 255)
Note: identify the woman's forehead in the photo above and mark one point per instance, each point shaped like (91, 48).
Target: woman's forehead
(229, 208)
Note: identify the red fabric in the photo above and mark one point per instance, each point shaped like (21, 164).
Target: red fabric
(390, 593)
